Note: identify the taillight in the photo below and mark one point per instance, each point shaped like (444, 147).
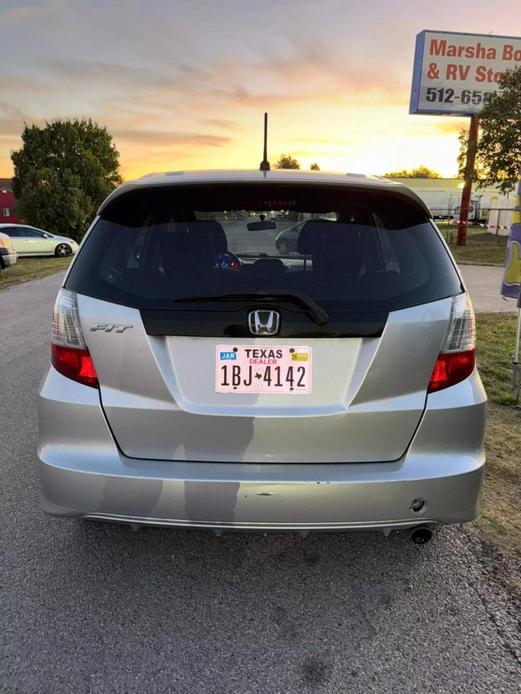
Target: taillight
(457, 358)
(451, 369)
(69, 353)
(74, 363)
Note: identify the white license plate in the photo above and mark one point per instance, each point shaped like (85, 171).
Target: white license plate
(254, 369)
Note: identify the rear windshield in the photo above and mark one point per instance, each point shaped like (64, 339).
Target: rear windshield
(345, 248)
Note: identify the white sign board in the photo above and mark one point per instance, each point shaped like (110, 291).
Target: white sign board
(455, 74)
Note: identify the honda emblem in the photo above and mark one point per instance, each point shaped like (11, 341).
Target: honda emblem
(264, 322)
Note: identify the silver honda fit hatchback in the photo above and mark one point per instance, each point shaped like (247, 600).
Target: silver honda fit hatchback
(201, 377)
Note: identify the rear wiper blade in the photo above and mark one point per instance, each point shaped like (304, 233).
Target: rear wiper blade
(314, 310)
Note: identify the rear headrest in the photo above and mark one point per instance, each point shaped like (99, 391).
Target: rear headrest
(330, 236)
(215, 232)
(305, 238)
(191, 236)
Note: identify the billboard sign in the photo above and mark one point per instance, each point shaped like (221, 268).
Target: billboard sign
(455, 74)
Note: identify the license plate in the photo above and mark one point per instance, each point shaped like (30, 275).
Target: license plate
(283, 370)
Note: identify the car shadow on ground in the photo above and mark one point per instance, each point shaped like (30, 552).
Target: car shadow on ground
(276, 589)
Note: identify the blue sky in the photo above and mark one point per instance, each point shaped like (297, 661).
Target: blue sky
(184, 84)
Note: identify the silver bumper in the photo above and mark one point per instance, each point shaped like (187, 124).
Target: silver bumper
(83, 474)
(334, 497)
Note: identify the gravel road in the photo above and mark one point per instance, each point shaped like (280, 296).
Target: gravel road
(100, 608)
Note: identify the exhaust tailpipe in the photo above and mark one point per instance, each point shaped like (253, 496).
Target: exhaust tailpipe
(421, 535)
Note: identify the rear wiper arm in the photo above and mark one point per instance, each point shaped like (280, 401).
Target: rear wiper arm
(314, 310)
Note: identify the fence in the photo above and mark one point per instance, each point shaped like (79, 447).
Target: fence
(497, 220)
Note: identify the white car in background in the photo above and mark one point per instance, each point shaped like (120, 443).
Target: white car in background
(29, 240)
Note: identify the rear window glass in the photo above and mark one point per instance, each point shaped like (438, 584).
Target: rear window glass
(346, 248)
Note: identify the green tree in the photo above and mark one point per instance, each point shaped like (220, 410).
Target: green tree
(63, 172)
(286, 161)
(498, 157)
(418, 172)
(314, 167)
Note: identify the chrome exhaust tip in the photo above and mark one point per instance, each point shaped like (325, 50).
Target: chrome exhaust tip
(421, 535)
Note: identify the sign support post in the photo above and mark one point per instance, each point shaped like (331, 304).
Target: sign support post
(472, 147)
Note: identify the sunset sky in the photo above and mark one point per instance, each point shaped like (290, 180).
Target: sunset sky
(183, 84)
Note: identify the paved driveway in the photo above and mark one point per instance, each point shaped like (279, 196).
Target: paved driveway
(484, 283)
(91, 608)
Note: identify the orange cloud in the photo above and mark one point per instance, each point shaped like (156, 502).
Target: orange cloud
(221, 123)
(170, 139)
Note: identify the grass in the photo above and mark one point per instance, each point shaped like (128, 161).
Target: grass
(482, 247)
(32, 268)
(496, 334)
(499, 522)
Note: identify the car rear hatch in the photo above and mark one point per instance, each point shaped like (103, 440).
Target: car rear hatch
(178, 289)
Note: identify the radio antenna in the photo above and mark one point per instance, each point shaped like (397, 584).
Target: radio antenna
(265, 165)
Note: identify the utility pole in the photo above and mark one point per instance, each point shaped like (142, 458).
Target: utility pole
(469, 175)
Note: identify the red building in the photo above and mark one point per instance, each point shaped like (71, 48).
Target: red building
(7, 203)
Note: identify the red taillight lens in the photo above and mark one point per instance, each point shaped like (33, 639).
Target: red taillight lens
(451, 368)
(74, 363)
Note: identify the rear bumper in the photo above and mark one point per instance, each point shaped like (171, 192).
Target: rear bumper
(333, 497)
(83, 474)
